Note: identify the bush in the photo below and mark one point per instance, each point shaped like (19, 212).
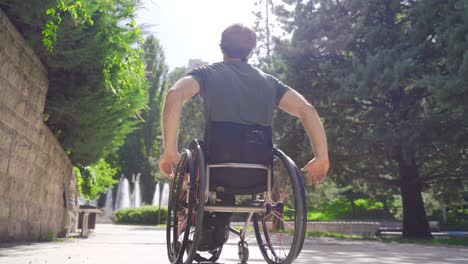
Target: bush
(457, 217)
(94, 180)
(145, 215)
(50, 236)
(341, 209)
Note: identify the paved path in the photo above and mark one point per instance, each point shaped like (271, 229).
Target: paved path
(111, 244)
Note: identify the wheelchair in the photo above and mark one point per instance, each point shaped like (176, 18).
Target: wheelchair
(235, 161)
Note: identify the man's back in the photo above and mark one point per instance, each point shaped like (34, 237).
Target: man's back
(234, 91)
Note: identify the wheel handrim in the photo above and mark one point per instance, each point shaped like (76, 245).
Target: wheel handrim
(183, 220)
(279, 230)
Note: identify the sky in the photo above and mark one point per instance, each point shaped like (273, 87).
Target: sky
(191, 29)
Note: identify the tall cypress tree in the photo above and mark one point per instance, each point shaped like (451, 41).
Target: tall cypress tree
(141, 147)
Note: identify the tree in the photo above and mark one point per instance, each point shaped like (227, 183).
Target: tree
(389, 78)
(141, 147)
(156, 71)
(263, 26)
(192, 121)
(95, 179)
(95, 73)
(96, 77)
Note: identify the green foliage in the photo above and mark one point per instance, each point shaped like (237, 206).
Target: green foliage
(342, 208)
(141, 149)
(77, 11)
(145, 215)
(452, 241)
(325, 193)
(368, 204)
(192, 122)
(264, 25)
(94, 180)
(329, 202)
(339, 209)
(388, 77)
(314, 215)
(457, 217)
(336, 235)
(156, 71)
(96, 75)
(48, 237)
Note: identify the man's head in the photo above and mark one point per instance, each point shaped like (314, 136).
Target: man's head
(238, 42)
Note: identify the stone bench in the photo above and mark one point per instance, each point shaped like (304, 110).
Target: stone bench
(84, 215)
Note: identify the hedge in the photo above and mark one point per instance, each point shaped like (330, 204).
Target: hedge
(145, 215)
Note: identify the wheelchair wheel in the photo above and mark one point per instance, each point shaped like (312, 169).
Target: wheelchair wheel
(185, 210)
(216, 254)
(243, 248)
(280, 231)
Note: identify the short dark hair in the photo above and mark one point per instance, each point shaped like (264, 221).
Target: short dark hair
(238, 41)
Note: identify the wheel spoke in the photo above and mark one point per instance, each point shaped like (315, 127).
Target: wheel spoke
(181, 227)
(184, 205)
(276, 231)
(267, 238)
(282, 248)
(282, 220)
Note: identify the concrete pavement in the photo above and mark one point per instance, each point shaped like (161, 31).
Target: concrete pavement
(113, 244)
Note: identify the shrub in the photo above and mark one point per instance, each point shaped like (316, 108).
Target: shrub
(145, 215)
(49, 236)
(341, 209)
(94, 180)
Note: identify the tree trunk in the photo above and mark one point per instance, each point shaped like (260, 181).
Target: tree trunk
(353, 206)
(386, 208)
(147, 184)
(415, 223)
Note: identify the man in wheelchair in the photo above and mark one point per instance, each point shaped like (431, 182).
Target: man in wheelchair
(236, 156)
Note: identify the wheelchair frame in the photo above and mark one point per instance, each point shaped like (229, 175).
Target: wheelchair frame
(204, 171)
(237, 209)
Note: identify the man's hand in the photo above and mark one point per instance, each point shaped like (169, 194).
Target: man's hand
(167, 161)
(316, 170)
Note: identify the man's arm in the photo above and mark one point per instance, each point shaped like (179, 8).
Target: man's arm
(295, 104)
(182, 91)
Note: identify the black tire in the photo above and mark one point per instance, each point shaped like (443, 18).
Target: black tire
(216, 254)
(185, 211)
(243, 248)
(280, 232)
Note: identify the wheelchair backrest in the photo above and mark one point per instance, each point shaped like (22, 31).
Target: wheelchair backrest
(227, 142)
(241, 143)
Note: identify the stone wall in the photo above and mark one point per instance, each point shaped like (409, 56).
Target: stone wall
(34, 169)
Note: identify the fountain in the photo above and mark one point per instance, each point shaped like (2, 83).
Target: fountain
(156, 195)
(117, 196)
(123, 194)
(108, 207)
(136, 196)
(161, 196)
(165, 195)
